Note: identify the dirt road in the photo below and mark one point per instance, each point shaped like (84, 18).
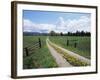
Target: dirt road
(58, 57)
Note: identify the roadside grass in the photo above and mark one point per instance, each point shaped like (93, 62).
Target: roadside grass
(72, 60)
(83, 47)
(39, 58)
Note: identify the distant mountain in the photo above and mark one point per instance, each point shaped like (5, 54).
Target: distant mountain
(30, 33)
(33, 33)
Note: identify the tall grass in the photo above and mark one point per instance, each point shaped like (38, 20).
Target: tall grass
(40, 58)
(83, 47)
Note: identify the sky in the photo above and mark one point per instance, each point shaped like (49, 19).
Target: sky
(46, 21)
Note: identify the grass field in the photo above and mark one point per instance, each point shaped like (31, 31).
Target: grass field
(42, 58)
(82, 47)
(39, 58)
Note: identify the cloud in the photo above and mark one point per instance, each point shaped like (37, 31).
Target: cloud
(29, 26)
(61, 25)
(83, 23)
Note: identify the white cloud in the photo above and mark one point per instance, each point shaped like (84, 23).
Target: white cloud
(29, 26)
(83, 23)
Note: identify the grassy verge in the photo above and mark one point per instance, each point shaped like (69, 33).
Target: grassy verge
(40, 58)
(82, 48)
(72, 60)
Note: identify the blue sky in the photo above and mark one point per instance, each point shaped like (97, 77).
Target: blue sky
(45, 21)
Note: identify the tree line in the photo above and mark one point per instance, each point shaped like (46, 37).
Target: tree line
(53, 33)
(77, 33)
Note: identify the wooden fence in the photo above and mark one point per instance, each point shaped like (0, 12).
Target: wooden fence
(31, 49)
(74, 43)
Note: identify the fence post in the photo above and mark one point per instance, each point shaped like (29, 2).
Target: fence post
(26, 49)
(75, 44)
(67, 42)
(39, 43)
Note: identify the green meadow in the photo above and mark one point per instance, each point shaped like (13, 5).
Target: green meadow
(38, 58)
(42, 58)
(82, 44)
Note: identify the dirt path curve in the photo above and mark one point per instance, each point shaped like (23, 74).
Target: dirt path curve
(81, 58)
(58, 58)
